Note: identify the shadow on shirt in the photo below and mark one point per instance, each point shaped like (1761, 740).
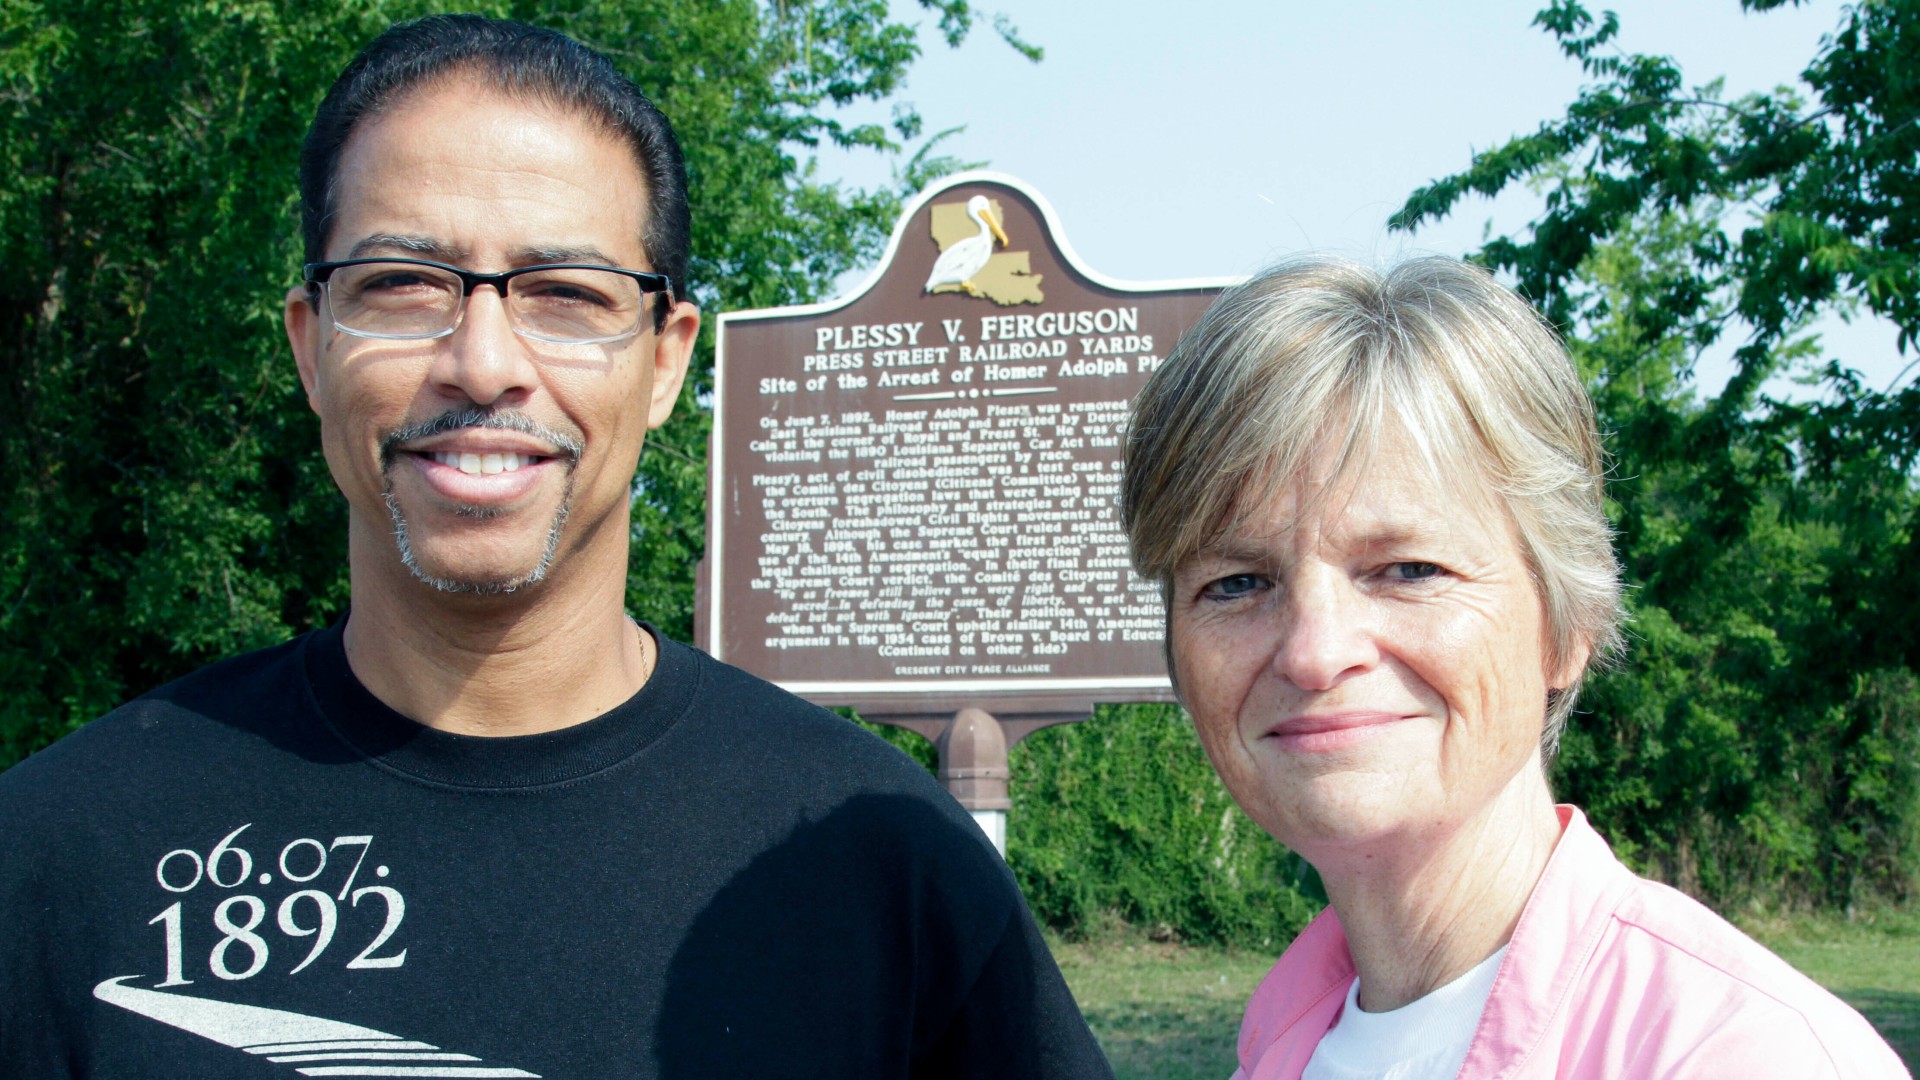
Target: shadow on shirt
(885, 940)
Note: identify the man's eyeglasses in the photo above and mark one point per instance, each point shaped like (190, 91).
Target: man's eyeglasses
(411, 299)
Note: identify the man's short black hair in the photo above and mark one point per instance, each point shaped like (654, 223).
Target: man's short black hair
(516, 58)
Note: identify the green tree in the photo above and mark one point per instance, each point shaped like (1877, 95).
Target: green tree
(1760, 742)
(164, 500)
(1122, 818)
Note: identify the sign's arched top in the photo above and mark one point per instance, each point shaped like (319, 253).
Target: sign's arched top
(908, 244)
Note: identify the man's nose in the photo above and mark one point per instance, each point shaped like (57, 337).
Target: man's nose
(483, 360)
(1325, 632)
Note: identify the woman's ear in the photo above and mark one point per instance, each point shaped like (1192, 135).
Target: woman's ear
(1572, 666)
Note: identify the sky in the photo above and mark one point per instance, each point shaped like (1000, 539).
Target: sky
(1211, 138)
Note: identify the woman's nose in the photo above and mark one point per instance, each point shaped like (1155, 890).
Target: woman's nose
(1324, 636)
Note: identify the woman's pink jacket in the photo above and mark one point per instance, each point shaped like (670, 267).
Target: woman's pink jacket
(1609, 977)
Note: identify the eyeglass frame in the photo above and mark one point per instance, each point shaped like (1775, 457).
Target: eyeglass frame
(316, 274)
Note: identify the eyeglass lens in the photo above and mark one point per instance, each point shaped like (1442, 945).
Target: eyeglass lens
(403, 300)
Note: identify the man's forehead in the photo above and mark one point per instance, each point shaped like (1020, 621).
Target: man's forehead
(457, 170)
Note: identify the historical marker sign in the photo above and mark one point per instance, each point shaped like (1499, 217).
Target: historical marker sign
(913, 488)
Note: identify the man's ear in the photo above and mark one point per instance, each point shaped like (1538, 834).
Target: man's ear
(303, 334)
(672, 353)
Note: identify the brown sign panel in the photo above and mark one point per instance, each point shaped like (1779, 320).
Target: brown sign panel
(913, 489)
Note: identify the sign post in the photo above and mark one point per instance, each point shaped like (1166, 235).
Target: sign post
(912, 496)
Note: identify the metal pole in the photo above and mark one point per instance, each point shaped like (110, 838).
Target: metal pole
(973, 766)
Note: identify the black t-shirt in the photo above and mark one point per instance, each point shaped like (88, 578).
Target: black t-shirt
(261, 870)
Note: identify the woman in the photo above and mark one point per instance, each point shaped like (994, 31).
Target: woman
(1374, 503)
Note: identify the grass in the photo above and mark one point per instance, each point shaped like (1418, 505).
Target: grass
(1165, 1011)
(1161, 1011)
(1872, 963)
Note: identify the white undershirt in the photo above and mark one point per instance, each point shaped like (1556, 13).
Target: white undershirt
(1425, 1039)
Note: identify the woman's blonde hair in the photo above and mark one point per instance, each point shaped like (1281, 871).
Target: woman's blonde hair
(1319, 356)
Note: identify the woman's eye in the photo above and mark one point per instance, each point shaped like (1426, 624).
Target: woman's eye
(1235, 585)
(1414, 571)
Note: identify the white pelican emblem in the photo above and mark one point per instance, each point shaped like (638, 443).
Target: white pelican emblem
(965, 258)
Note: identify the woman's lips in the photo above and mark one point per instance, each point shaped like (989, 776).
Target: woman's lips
(1323, 732)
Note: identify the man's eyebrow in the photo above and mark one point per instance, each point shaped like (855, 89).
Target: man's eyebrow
(440, 251)
(587, 254)
(418, 245)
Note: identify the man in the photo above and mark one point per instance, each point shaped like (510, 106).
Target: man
(489, 826)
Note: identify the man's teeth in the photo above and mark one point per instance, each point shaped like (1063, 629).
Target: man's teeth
(483, 464)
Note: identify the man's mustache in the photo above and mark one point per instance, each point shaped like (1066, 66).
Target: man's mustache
(565, 446)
